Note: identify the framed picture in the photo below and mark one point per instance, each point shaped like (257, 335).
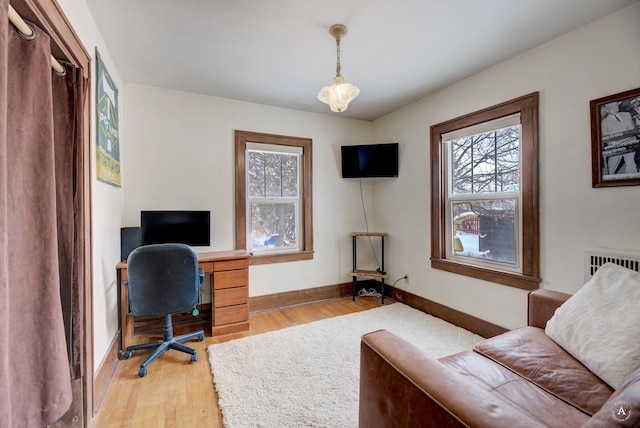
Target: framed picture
(615, 139)
(107, 132)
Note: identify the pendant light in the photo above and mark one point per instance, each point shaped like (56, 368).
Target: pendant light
(340, 94)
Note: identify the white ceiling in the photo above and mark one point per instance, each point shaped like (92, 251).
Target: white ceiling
(279, 52)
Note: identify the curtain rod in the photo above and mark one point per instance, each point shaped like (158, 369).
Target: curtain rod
(27, 31)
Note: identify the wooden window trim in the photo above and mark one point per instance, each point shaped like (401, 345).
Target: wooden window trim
(306, 226)
(527, 106)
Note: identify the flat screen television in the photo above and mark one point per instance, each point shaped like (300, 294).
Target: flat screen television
(370, 160)
(180, 227)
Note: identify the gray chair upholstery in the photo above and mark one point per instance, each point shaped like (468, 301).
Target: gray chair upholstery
(163, 279)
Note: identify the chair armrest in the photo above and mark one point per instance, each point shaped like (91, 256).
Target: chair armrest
(404, 387)
(542, 304)
(201, 275)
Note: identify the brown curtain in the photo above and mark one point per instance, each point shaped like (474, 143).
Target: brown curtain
(68, 99)
(5, 388)
(39, 227)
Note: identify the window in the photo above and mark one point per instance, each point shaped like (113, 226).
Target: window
(484, 194)
(273, 197)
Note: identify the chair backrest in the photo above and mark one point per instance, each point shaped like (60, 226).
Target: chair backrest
(162, 279)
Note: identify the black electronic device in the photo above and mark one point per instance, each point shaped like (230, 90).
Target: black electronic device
(180, 227)
(370, 160)
(129, 240)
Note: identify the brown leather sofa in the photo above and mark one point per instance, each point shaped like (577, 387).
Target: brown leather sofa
(517, 379)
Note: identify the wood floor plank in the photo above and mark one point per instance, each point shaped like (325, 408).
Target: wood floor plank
(176, 393)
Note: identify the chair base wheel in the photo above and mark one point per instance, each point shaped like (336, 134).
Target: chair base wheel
(201, 338)
(142, 372)
(126, 355)
(194, 358)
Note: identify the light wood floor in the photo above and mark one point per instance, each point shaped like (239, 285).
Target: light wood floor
(175, 393)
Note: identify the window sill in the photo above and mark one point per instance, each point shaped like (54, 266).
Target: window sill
(263, 259)
(505, 278)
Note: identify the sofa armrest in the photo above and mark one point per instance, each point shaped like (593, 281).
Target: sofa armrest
(400, 386)
(542, 304)
(622, 409)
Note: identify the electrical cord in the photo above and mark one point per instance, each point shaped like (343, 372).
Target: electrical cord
(369, 293)
(372, 291)
(366, 224)
(399, 279)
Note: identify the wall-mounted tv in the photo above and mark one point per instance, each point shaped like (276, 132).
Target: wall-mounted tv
(370, 160)
(181, 227)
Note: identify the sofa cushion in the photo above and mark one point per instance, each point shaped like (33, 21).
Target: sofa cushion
(532, 401)
(530, 353)
(600, 324)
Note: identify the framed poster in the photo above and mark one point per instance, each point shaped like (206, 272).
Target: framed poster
(108, 143)
(615, 139)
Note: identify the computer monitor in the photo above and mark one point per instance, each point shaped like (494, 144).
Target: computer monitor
(182, 227)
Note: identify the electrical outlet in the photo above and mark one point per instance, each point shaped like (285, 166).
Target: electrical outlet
(406, 278)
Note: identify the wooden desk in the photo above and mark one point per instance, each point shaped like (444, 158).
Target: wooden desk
(229, 284)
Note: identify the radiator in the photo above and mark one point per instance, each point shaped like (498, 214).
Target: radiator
(593, 259)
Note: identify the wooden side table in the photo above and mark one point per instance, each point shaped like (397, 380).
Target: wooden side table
(380, 273)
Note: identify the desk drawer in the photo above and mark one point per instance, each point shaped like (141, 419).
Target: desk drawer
(230, 279)
(230, 296)
(231, 314)
(231, 265)
(206, 266)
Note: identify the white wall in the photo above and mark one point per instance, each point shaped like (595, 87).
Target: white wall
(107, 201)
(592, 62)
(180, 155)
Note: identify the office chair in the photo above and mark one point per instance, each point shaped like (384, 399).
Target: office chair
(163, 279)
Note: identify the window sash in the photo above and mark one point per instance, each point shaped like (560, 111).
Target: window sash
(452, 197)
(482, 127)
(273, 200)
(273, 148)
(265, 176)
(276, 200)
(288, 248)
(449, 158)
(516, 266)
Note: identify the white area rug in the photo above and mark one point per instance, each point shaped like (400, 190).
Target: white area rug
(308, 375)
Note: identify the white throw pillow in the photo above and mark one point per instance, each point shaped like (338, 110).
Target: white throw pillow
(600, 324)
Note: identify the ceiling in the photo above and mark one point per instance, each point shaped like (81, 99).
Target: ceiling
(280, 53)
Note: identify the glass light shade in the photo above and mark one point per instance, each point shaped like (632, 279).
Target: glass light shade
(339, 95)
